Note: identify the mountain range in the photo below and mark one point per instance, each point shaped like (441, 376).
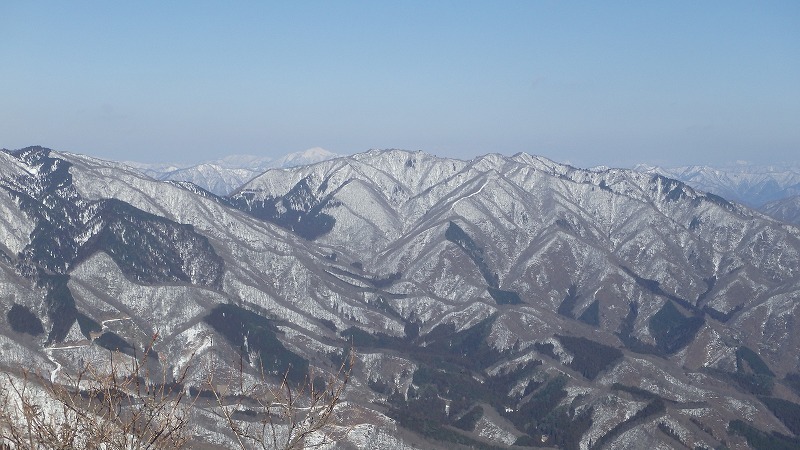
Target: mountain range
(751, 184)
(495, 302)
(774, 190)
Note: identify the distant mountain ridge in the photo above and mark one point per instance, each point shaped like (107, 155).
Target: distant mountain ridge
(223, 176)
(750, 184)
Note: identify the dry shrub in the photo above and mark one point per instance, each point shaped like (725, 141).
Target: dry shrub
(286, 415)
(124, 408)
(121, 409)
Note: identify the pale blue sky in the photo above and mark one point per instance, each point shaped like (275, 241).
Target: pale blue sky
(587, 82)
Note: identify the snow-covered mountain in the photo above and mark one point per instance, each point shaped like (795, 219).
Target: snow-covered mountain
(494, 301)
(750, 184)
(223, 176)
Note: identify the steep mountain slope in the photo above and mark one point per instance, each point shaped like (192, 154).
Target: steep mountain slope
(666, 270)
(494, 301)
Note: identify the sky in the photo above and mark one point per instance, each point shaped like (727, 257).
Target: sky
(590, 83)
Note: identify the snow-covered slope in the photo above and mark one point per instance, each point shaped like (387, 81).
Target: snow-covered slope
(510, 298)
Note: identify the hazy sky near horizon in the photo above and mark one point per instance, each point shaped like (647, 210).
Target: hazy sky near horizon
(616, 83)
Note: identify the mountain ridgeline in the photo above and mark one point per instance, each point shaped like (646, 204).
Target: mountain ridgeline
(493, 303)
